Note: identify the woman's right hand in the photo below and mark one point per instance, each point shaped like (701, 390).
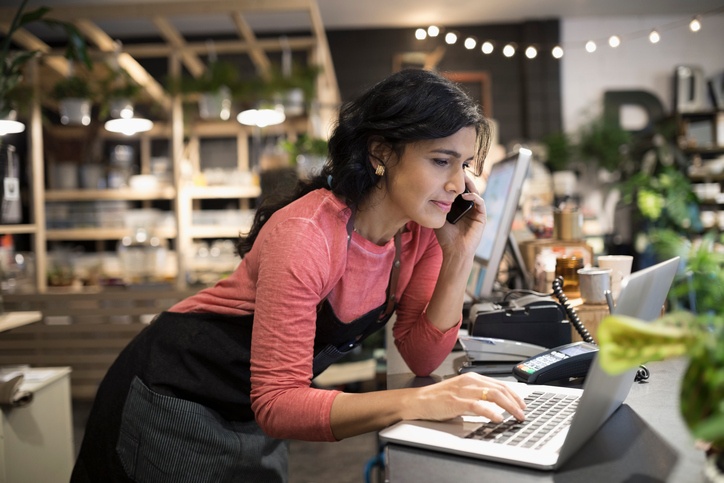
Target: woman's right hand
(465, 394)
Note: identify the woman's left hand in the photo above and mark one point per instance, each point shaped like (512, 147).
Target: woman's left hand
(464, 236)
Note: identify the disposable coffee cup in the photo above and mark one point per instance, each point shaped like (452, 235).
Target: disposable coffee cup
(620, 266)
(593, 284)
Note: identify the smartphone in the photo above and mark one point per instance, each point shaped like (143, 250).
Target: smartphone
(459, 207)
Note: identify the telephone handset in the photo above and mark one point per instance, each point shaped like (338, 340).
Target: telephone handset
(459, 207)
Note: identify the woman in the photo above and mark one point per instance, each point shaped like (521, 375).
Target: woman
(212, 388)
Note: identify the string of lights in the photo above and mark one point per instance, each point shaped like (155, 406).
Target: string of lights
(509, 49)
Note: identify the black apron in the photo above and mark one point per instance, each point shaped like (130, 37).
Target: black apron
(175, 406)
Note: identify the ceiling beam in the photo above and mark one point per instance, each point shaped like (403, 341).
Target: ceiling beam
(176, 42)
(220, 46)
(152, 8)
(257, 54)
(137, 72)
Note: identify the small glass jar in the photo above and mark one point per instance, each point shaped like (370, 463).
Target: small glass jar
(567, 267)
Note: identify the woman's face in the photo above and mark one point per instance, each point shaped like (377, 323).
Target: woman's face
(428, 176)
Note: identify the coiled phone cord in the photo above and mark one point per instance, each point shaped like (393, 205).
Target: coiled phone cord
(642, 373)
(572, 314)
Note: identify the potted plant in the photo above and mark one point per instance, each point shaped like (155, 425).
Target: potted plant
(74, 97)
(215, 87)
(604, 143)
(295, 85)
(119, 93)
(13, 63)
(659, 196)
(559, 151)
(693, 329)
(307, 153)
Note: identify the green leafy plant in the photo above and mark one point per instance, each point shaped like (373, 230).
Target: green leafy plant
(604, 142)
(72, 87)
(218, 74)
(560, 150)
(305, 145)
(119, 85)
(696, 332)
(302, 77)
(664, 199)
(13, 63)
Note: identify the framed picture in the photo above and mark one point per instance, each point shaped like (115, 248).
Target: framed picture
(478, 85)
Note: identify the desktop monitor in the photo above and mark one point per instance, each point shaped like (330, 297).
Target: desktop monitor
(502, 195)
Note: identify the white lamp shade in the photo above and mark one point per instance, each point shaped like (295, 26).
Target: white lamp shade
(261, 117)
(129, 127)
(9, 126)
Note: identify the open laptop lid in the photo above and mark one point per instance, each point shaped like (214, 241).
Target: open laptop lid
(643, 295)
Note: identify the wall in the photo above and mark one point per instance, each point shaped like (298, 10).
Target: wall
(636, 64)
(525, 93)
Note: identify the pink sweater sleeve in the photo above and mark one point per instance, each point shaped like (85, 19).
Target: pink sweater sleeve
(292, 279)
(422, 345)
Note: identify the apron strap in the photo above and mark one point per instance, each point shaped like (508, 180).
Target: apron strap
(394, 277)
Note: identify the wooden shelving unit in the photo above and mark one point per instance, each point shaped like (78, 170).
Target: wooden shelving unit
(100, 24)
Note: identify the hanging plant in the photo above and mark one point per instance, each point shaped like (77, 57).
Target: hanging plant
(12, 63)
(72, 87)
(118, 87)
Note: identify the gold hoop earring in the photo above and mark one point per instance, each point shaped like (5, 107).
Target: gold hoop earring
(380, 170)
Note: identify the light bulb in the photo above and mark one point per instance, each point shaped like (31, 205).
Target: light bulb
(509, 50)
(695, 24)
(614, 41)
(433, 31)
(557, 52)
(531, 52)
(487, 47)
(451, 38)
(470, 43)
(654, 37)
(420, 34)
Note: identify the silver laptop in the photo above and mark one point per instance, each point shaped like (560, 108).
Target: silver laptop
(576, 413)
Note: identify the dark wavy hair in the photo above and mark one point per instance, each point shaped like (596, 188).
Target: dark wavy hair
(408, 106)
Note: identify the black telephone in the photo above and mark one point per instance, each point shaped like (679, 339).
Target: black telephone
(459, 207)
(562, 362)
(566, 361)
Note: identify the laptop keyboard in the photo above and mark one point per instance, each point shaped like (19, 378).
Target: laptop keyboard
(547, 414)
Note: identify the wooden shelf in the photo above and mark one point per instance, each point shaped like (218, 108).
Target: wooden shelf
(78, 234)
(164, 193)
(12, 320)
(180, 138)
(223, 192)
(17, 229)
(215, 231)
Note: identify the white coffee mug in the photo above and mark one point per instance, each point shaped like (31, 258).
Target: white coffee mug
(620, 266)
(594, 283)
